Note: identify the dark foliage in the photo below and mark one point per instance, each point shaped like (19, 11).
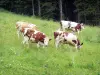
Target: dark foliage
(87, 11)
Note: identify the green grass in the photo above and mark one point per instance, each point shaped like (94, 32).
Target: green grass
(17, 59)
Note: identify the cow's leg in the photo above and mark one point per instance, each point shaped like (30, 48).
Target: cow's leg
(38, 44)
(57, 43)
(58, 40)
(63, 28)
(25, 40)
(42, 44)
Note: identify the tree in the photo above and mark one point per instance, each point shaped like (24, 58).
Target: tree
(33, 7)
(48, 8)
(88, 10)
(39, 8)
(60, 6)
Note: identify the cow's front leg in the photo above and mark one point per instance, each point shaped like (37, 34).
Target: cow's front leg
(38, 45)
(57, 43)
(25, 40)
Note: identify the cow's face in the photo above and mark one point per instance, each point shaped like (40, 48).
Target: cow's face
(79, 46)
(46, 41)
(82, 25)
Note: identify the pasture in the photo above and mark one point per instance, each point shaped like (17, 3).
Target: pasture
(17, 59)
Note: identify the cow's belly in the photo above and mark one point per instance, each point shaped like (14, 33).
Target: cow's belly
(65, 26)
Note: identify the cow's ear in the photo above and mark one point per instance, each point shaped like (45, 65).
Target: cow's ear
(50, 39)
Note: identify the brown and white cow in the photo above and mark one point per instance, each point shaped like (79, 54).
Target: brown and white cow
(20, 25)
(67, 38)
(35, 36)
(76, 27)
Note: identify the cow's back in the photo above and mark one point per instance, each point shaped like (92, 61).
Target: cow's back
(65, 24)
(73, 24)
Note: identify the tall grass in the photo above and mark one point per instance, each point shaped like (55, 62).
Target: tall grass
(17, 59)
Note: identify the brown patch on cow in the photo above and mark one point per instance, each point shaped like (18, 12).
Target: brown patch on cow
(39, 37)
(74, 41)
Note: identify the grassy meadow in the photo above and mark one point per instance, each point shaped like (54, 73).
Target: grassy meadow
(17, 59)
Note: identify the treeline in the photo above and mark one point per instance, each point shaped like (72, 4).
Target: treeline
(87, 11)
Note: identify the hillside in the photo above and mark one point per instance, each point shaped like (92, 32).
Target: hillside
(17, 59)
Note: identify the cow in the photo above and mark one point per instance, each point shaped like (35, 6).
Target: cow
(35, 36)
(20, 25)
(66, 38)
(74, 26)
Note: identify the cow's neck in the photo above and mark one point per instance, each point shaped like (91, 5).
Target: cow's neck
(78, 27)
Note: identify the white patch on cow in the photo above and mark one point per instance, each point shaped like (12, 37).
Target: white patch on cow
(65, 24)
(31, 25)
(73, 24)
(26, 29)
(70, 37)
(43, 34)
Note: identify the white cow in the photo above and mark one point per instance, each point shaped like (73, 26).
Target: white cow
(76, 27)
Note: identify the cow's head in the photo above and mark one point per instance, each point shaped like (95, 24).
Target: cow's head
(82, 25)
(46, 41)
(79, 45)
